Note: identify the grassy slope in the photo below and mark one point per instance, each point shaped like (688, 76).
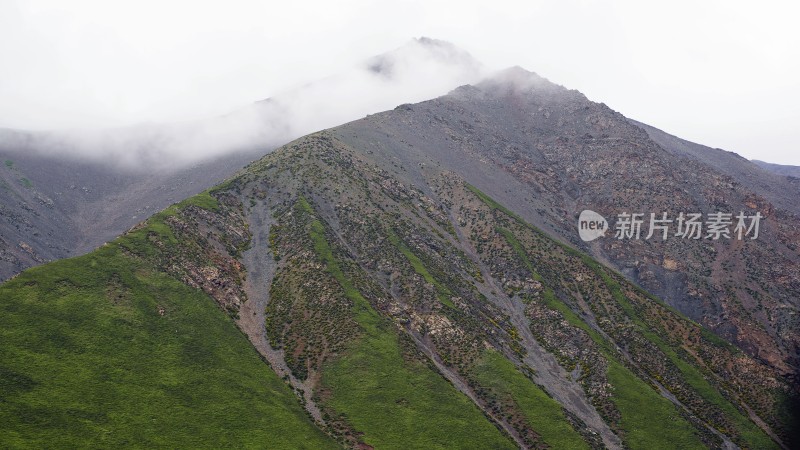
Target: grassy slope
(752, 435)
(396, 402)
(660, 426)
(544, 414)
(650, 421)
(419, 267)
(87, 360)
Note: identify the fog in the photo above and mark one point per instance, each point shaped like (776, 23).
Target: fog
(419, 70)
(721, 73)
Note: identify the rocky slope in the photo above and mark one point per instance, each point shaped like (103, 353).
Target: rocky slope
(65, 193)
(55, 207)
(548, 153)
(788, 171)
(416, 278)
(776, 187)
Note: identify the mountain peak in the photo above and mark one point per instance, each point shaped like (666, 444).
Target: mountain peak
(424, 50)
(521, 78)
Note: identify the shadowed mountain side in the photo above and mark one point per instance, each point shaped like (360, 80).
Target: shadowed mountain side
(57, 207)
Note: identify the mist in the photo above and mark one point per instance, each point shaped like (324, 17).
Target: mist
(720, 74)
(422, 69)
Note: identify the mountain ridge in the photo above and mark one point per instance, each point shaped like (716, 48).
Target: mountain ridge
(530, 178)
(781, 169)
(65, 193)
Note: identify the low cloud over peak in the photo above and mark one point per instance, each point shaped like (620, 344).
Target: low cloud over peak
(423, 68)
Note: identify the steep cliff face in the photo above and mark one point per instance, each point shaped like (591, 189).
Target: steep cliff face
(416, 278)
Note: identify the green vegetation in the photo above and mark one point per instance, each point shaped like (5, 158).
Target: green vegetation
(403, 403)
(396, 401)
(361, 306)
(750, 433)
(138, 240)
(549, 296)
(26, 183)
(631, 393)
(107, 351)
(519, 250)
(104, 351)
(9, 164)
(718, 341)
(650, 421)
(490, 202)
(444, 294)
(544, 414)
(202, 200)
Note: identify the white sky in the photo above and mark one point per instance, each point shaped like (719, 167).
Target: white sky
(722, 73)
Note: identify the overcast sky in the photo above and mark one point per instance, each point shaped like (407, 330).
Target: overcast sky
(722, 73)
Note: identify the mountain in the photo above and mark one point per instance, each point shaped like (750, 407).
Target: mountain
(415, 277)
(65, 193)
(548, 153)
(771, 184)
(54, 207)
(788, 171)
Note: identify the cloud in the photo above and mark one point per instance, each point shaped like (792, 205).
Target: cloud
(422, 69)
(718, 73)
